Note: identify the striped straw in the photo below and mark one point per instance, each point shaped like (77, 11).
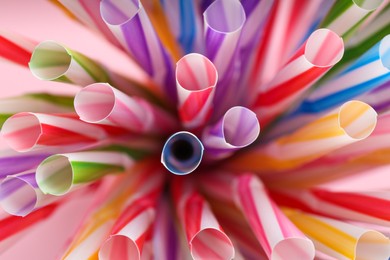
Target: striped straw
(88, 13)
(185, 24)
(318, 54)
(341, 240)
(13, 162)
(238, 128)
(130, 231)
(365, 74)
(377, 98)
(352, 122)
(146, 178)
(61, 173)
(20, 195)
(182, 153)
(196, 78)
(100, 103)
(34, 131)
(14, 228)
(205, 237)
(130, 24)
(37, 102)
(279, 238)
(345, 17)
(15, 48)
(364, 206)
(52, 61)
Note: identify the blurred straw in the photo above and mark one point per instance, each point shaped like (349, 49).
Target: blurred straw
(16, 48)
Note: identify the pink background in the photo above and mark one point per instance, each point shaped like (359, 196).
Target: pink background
(40, 20)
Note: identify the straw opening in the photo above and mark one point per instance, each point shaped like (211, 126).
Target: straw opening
(17, 196)
(217, 243)
(225, 16)
(357, 119)
(119, 247)
(95, 102)
(49, 61)
(372, 245)
(196, 72)
(240, 126)
(55, 175)
(324, 48)
(22, 131)
(117, 12)
(293, 248)
(368, 4)
(384, 51)
(182, 153)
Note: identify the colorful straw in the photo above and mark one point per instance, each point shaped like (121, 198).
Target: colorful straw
(130, 24)
(279, 238)
(37, 102)
(61, 173)
(100, 103)
(35, 131)
(205, 236)
(182, 153)
(15, 48)
(345, 17)
(341, 240)
(238, 128)
(196, 78)
(12, 162)
(52, 61)
(352, 122)
(318, 54)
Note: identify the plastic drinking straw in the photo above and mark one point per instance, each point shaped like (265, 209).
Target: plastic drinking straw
(339, 239)
(279, 238)
(238, 128)
(13, 228)
(318, 54)
(15, 48)
(223, 23)
(35, 131)
(130, 24)
(37, 102)
(182, 153)
(61, 173)
(20, 195)
(365, 74)
(377, 98)
(370, 207)
(130, 231)
(205, 237)
(88, 13)
(165, 239)
(100, 103)
(160, 23)
(196, 79)
(146, 178)
(184, 23)
(52, 61)
(345, 17)
(352, 122)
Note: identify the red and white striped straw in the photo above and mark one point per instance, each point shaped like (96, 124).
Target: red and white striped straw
(100, 103)
(319, 53)
(205, 236)
(196, 78)
(31, 131)
(16, 48)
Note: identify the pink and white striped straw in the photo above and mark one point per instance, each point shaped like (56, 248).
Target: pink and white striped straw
(196, 78)
(279, 238)
(31, 131)
(100, 103)
(238, 128)
(205, 236)
(319, 53)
